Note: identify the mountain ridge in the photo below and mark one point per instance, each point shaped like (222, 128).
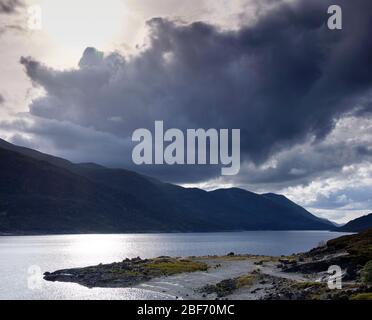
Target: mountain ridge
(43, 193)
(357, 225)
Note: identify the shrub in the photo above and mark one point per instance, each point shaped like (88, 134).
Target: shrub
(367, 273)
(322, 244)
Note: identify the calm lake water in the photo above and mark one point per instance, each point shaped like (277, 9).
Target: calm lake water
(22, 257)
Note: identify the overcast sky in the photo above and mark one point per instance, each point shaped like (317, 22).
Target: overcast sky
(300, 93)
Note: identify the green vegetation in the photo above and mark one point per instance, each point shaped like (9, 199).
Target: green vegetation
(367, 273)
(362, 296)
(126, 273)
(359, 246)
(228, 286)
(246, 280)
(265, 259)
(157, 267)
(232, 258)
(173, 266)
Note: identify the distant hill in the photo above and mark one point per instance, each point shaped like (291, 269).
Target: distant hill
(40, 193)
(358, 224)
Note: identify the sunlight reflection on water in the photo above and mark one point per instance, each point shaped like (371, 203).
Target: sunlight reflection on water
(51, 253)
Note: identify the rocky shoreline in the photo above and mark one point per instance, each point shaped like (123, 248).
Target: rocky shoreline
(127, 273)
(301, 276)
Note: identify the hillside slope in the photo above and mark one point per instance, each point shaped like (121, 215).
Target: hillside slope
(358, 224)
(40, 193)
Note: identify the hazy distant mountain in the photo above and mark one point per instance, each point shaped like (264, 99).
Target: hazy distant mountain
(40, 193)
(358, 224)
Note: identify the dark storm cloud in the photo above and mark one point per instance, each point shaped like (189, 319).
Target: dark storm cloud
(69, 140)
(281, 81)
(302, 164)
(2, 99)
(10, 6)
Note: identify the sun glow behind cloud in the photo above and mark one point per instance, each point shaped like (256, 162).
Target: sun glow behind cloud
(74, 25)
